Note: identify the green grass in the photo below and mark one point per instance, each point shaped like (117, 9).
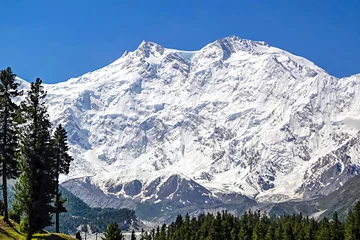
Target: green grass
(13, 233)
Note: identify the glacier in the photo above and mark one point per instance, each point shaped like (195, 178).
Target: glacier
(236, 117)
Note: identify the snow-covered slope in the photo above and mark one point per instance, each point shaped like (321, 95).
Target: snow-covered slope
(236, 116)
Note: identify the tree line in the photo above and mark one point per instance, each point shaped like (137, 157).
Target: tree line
(250, 226)
(31, 154)
(80, 215)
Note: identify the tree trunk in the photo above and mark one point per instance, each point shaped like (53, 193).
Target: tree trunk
(57, 210)
(57, 202)
(57, 198)
(6, 215)
(29, 235)
(57, 223)
(4, 173)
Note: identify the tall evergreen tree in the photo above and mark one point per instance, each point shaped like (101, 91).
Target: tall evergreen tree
(78, 235)
(336, 231)
(62, 164)
(287, 231)
(349, 227)
(9, 89)
(163, 232)
(352, 224)
(35, 189)
(113, 232)
(270, 234)
(324, 230)
(157, 234)
(133, 237)
(143, 234)
(252, 225)
(153, 234)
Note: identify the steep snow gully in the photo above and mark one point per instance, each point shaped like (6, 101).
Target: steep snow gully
(187, 127)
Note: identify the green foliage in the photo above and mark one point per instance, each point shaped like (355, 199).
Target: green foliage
(352, 224)
(14, 216)
(9, 89)
(24, 224)
(36, 186)
(336, 228)
(253, 226)
(323, 231)
(12, 231)
(61, 148)
(62, 161)
(79, 213)
(30, 154)
(113, 232)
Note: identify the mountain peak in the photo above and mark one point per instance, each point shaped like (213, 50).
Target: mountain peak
(236, 116)
(234, 44)
(146, 49)
(234, 39)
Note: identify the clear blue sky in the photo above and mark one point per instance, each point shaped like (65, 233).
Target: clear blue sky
(56, 40)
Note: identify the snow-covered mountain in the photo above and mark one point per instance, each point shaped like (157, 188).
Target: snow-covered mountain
(187, 127)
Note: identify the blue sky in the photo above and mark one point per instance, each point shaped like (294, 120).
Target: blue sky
(56, 40)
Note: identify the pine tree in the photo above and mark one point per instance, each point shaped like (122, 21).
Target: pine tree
(58, 206)
(8, 132)
(36, 186)
(352, 224)
(257, 233)
(310, 229)
(336, 228)
(163, 232)
(78, 235)
(148, 236)
(349, 227)
(143, 234)
(287, 231)
(245, 232)
(133, 237)
(270, 234)
(178, 221)
(62, 165)
(234, 233)
(153, 234)
(254, 226)
(324, 230)
(113, 232)
(157, 233)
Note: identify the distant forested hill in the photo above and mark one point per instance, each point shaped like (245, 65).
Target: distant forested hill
(80, 215)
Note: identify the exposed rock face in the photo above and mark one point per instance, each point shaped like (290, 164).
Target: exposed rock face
(133, 188)
(332, 170)
(237, 116)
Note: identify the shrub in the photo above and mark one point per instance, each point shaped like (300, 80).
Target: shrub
(14, 216)
(24, 226)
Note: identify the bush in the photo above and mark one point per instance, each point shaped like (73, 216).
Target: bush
(14, 216)
(24, 226)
